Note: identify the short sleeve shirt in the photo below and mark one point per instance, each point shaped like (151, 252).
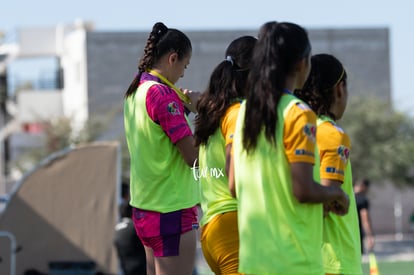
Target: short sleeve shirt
(228, 124)
(165, 108)
(334, 147)
(300, 134)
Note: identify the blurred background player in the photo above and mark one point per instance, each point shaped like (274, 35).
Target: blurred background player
(130, 250)
(361, 188)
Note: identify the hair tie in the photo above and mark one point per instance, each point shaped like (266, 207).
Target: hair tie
(230, 59)
(340, 77)
(162, 30)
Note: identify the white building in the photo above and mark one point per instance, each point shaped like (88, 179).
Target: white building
(64, 96)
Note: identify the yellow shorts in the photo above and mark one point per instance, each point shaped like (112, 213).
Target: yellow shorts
(220, 243)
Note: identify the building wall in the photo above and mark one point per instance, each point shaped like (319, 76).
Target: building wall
(75, 87)
(391, 208)
(112, 61)
(365, 54)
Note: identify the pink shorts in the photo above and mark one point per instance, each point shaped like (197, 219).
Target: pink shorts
(162, 231)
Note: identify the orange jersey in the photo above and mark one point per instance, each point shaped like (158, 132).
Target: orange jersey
(300, 121)
(334, 147)
(228, 123)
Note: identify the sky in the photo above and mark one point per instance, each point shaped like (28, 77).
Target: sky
(185, 15)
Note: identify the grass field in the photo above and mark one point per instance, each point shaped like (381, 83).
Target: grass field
(385, 268)
(392, 268)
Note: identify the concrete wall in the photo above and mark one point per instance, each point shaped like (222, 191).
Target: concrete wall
(364, 52)
(112, 61)
(384, 201)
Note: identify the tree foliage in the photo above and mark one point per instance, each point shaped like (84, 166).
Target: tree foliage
(382, 141)
(59, 133)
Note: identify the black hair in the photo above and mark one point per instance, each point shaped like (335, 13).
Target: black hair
(363, 181)
(227, 83)
(125, 210)
(279, 48)
(161, 41)
(326, 73)
(124, 189)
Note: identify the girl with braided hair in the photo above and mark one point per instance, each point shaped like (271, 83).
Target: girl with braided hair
(214, 128)
(326, 93)
(164, 193)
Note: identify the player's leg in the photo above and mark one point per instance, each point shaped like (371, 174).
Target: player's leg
(183, 263)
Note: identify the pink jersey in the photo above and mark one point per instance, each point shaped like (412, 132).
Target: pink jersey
(165, 108)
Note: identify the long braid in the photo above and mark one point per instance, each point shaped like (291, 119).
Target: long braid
(150, 50)
(149, 57)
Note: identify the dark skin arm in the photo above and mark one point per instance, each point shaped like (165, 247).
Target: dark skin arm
(307, 191)
(188, 150)
(230, 171)
(366, 224)
(328, 182)
(228, 157)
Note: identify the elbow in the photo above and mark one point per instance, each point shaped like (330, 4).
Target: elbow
(302, 199)
(301, 196)
(191, 162)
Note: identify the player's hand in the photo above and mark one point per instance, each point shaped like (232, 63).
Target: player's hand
(326, 209)
(370, 242)
(194, 97)
(340, 206)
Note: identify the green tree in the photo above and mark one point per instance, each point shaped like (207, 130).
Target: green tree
(382, 141)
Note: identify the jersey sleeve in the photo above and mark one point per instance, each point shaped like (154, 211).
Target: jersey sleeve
(299, 135)
(334, 147)
(365, 204)
(166, 109)
(228, 123)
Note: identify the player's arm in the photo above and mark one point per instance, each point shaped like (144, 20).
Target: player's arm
(367, 226)
(188, 151)
(228, 127)
(299, 140)
(329, 182)
(307, 191)
(230, 171)
(333, 146)
(166, 109)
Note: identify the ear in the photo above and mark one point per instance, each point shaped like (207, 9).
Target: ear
(340, 90)
(172, 58)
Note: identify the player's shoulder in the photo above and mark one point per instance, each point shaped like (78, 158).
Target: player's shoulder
(303, 106)
(331, 127)
(329, 131)
(160, 89)
(234, 107)
(301, 109)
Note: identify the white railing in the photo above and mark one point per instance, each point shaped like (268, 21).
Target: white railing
(13, 249)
